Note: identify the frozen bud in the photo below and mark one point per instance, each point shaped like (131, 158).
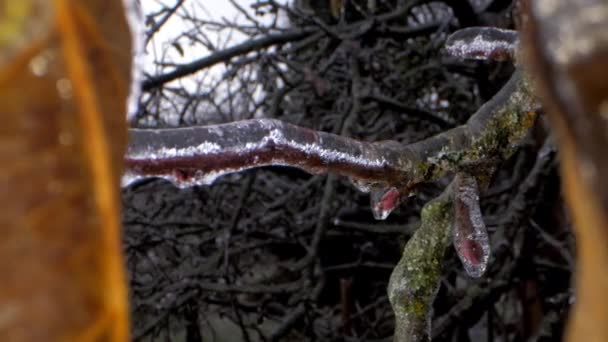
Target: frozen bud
(469, 231)
(384, 201)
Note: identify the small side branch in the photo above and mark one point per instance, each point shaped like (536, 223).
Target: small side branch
(226, 55)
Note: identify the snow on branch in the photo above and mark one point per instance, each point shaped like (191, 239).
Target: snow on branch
(484, 43)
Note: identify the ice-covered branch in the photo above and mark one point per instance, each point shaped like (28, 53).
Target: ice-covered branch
(210, 151)
(485, 43)
(474, 150)
(388, 170)
(198, 155)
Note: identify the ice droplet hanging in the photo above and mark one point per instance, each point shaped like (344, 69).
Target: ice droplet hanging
(384, 201)
(469, 231)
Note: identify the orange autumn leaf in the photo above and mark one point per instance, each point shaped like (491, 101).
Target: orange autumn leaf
(64, 76)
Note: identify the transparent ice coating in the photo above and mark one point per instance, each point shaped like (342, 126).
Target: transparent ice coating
(384, 201)
(198, 155)
(135, 20)
(469, 232)
(483, 43)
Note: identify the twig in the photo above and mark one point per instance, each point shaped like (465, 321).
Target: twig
(226, 55)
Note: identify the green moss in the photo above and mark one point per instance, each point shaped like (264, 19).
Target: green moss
(415, 279)
(497, 140)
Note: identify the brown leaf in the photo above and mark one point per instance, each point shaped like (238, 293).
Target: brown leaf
(64, 74)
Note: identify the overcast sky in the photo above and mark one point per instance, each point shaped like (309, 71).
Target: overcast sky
(213, 10)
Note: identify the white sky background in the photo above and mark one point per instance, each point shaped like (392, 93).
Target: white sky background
(212, 10)
(159, 48)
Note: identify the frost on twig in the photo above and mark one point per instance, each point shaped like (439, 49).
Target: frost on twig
(415, 280)
(484, 43)
(469, 231)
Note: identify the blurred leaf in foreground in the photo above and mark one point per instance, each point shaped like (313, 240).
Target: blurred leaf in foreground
(64, 76)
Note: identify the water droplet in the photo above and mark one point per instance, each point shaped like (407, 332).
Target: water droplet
(66, 138)
(54, 187)
(384, 201)
(64, 88)
(39, 65)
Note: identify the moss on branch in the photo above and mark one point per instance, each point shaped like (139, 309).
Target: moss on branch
(491, 135)
(415, 279)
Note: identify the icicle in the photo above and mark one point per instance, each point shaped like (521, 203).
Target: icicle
(469, 231)
(384, 201)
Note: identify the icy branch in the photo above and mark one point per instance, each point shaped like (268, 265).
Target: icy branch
(490, 136)
(485, 43)
(198, 155)
(415, 280)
